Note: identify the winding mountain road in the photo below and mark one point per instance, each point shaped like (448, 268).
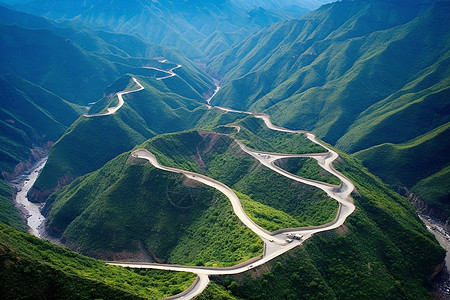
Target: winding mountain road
(112, 110)
(170, 72)
(275, 243)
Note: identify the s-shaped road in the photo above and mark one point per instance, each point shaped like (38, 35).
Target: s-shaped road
(112, 110)
(274, 243)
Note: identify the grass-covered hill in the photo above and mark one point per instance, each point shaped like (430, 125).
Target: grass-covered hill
(8, 212)
(327, 77)
(44, 62)
(271, 200)
(421, 164)
(130, 210)
(54, 63)
(382, 251)
(30, 117)
(163, 106)
(35, 269)
(360, 74)
(76, 62)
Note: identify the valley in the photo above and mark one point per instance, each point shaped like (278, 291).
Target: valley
(224, 149)
(276, 243)
(31, 211)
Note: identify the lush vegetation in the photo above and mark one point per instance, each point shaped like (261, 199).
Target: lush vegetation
(8, 212)
(35, 269)
(180, 24)
(217, 156)
(308, 205)
(255, 134)
(130, 210)
(421, 164)
(328, 78)
(217, 239)
(93, 141)
(307, 168)
(124, 83)
(266, 216)
(405, 164)
(382, 251)
(435, 189)
(96, 140)
(366, 78)
(30, 117)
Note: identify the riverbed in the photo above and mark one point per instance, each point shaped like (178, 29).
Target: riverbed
(30, 210)
(441, 284)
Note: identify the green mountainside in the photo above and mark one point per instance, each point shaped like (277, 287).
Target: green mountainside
(35, 269)
(30, 117)
(359, 74)
(74, 62)
(130, 210)
(370, 77)
(45, 63)
(323, 78)
(217, 156)
(382, 251)
(55, 63)
(421, 164)
(383, 245)
(89, 216)
(163, 106)
(8, 212)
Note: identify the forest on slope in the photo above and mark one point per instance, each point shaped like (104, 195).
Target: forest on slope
(364, 76)
(370, 77)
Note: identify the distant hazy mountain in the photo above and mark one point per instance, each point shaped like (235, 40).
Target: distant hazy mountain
(281, 4)
(359, 74)
(181, 24)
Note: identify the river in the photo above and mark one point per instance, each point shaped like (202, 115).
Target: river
(441, 284)
(32, 211)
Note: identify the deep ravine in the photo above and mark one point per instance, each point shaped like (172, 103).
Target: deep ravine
(31, 211)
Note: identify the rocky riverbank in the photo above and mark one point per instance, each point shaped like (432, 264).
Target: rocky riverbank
(31, 211)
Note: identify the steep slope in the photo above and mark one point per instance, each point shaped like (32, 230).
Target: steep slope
(373, 249)
(331, 73)
(358, 73)
(77, 63)
(167, 105)
(52, 272)
(218, 157)
(423, 160)
(97, 215)
(130, 210)
(31, 117)
(370, 257)
(121, 49)
(8, 212)
(45, 60)
(52, 59)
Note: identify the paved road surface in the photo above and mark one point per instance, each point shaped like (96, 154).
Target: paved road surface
(112, 110)
(275, 243)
